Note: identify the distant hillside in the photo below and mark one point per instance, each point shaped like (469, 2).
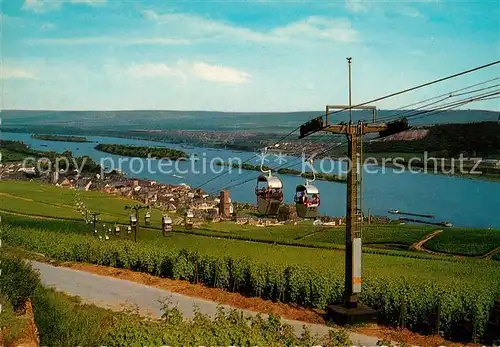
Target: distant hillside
(449, 140)
(99, 122)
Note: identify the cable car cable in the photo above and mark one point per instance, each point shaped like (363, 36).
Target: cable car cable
(452, 103)
(435, 111)
(371, 101)
(445, 94)
(399, 115)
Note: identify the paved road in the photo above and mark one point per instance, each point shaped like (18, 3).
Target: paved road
(114, 293)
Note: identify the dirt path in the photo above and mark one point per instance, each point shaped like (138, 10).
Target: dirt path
(489, 254)
(199, 293)
(116, 294)
(419, 245)
(31, 216)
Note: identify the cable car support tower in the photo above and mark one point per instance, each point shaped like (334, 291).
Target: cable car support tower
(350, 311)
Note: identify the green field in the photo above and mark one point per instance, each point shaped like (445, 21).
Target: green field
(375, 234)
(225, 255)
(306, 276)
(36, 199)
(43, 200)
(62, 320)
(470, 242)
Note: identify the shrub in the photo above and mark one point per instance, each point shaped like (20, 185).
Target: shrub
(18, 281)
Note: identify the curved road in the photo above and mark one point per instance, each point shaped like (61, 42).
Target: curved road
(114, 293)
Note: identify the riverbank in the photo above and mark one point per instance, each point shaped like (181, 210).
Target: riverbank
(471, 168)
(420, 193)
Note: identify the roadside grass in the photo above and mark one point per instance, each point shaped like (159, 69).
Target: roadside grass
(11, 325)
(63, 320)
(316, 273)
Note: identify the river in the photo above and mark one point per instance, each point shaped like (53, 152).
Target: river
(462, 201)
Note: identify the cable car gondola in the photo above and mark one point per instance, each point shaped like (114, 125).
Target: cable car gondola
(307, 199)
(269, 192)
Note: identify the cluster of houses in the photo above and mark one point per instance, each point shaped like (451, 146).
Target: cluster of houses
(166, 197)
(169, 198)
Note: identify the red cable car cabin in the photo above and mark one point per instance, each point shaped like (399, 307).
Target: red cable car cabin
(269, 192)
(307, 201)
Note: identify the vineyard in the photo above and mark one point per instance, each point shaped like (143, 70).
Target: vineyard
(375, 234)
(39, 200)
(49, 201)
(462, 292)
(465, 241)
(63, 321)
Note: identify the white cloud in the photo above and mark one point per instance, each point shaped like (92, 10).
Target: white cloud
(314, 28)
(50, 5)
(89, 2)
(218, 73)
(41, 5)
(183, 70)
(110, 40)
(8, 72)
(48, 26)
(320, 28)
(356, 5)
(149, 70)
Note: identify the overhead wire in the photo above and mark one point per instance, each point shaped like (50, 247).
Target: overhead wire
(442, 79)
(459, 102)
(413, 112)
(246, 161)
(368, 102)
(445, 94)
(422, 114)
(456, 104)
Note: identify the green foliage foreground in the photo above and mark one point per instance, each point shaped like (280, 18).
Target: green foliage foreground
(462, 292)
(64, 321)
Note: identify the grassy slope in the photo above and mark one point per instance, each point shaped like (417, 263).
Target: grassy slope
(46, 200)
(374, 264)
(373, 234)
(50, 201)
(465, 241)
(316, 274)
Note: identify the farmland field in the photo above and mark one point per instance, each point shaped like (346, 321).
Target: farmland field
(496, 256)
(373, 234)
(224, 256)
(310, 277)
(50, 201)
(465, 241)
(31, 198)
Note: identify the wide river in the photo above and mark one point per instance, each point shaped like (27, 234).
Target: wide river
(462, 201)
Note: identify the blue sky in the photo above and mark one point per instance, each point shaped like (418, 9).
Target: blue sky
(260, 55)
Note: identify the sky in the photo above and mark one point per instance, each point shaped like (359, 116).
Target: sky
(259, 55)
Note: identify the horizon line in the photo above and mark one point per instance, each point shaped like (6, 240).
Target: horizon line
(217, 111)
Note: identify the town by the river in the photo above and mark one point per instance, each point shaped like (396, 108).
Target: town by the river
(462, 201)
